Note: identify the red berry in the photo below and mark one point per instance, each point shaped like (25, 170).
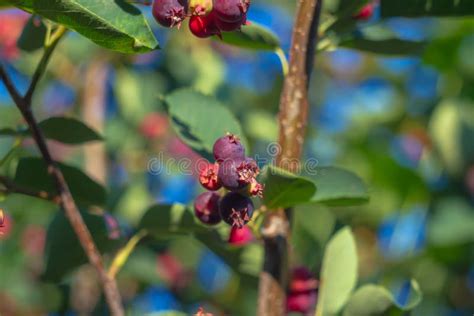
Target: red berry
(6, 225)
(240, 236)
(206, 208)
(2, 218)
(203, 26)
(236, 210)
(365, 13)
(228, 147)
(208, 177)
(169, 13)
(302, 280)
(301, 302)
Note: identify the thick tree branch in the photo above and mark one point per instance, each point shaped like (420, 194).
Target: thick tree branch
(292, 120)
(109, 285)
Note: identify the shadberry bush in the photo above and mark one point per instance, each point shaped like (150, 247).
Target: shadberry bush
(121, 227)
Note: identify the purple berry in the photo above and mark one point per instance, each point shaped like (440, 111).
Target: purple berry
(237, 174)
(206, 208)
(231, 14)
(169, 13)
(228, 147)
(236, 210)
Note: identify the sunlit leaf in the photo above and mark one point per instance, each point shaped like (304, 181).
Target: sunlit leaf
(200, 120)
(338, 274)
(376, 300)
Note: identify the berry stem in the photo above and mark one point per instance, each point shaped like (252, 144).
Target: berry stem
(292, 122)
(67, 202)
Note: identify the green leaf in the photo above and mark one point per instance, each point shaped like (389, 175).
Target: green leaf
(162, 220)
(9, 132)
(33, 35)
(375, 300)
(452, 131)
(418, 8)
(337, 187)
(32, 173)
(253, 36)
(285, 189)
(26, 5)
(116, 25)
(63, 252)
(200, 120)
(338, 273)
(391, 46)
(68, 130)
(452, 223)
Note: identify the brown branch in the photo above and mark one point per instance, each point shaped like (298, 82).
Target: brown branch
(12, 187)
(109, 285)
(292, 120)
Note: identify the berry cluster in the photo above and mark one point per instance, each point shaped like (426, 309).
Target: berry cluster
(302, 296)
(206, 17)
(237, 174)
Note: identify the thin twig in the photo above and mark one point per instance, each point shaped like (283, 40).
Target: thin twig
(109, 285)
(292, 120)
(12, 187)
(49, 47)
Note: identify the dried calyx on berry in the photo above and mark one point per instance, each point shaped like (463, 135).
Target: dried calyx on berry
(236, 209)
(169, 13)
(206, 208)
(237, 174)
(208, 177)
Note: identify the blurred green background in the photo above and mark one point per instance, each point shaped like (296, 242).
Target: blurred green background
(403, 122)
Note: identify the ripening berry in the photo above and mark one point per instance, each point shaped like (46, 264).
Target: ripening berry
(231, 14)
(6, 224)
(208, 177)
(169, 13)
(200, 7)
(302, 280)
(206, 208)
(301, 302)
(303, 294)
(203, 26)
(2, 218)
(240, 236)
(365, 13)
(228, 147)
(236, 210)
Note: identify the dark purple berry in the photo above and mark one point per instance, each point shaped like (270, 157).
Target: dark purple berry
(206, 208)
(228, 147)
(236, 174)
(231, 14)
(236, 210)
(169, 13)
